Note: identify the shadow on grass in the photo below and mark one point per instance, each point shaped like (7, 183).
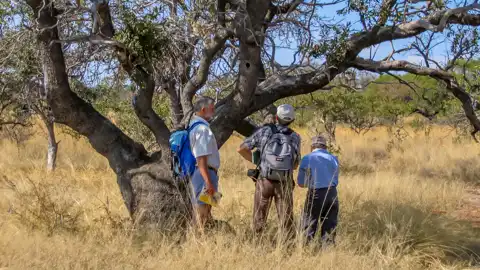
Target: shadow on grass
(404, 230)
(390, 228)
(466, 170)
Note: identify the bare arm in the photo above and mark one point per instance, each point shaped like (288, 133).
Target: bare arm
(303, 173)
(295, 166)
(299, 154)
(203, 167)
(245, 152)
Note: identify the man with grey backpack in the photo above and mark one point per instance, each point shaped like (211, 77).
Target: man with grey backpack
(279, 148)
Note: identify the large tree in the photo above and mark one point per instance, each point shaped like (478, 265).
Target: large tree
(180, 48)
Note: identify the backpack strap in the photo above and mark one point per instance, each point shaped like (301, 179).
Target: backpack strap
(286, 131)
(274, 130)
(190, 128)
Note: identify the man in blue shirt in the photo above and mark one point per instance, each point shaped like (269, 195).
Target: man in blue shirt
(319, 173)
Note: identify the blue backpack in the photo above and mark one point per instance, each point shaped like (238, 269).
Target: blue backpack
(183, 162)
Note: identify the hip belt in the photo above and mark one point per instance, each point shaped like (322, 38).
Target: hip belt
(211, 168)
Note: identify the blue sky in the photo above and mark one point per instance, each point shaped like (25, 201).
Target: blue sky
(285, 56)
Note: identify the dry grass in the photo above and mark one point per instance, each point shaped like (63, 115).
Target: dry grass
(390, 193)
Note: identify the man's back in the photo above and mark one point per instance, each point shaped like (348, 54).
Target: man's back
(319, 169)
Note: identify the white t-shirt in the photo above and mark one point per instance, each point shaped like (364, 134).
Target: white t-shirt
(203, 142)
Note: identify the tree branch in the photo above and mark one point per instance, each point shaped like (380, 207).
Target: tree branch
(142, 75)
(429, 116)
(456, 11)
(405, 30)
(13, 122)
(385, 11)
(246, 127)
(198, 80)
(221, 10)
(304, 80)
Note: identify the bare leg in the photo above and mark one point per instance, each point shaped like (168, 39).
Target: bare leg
(203, 213)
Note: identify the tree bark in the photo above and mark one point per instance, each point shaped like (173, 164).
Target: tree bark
(52, 145)
(246, 127)
(52, 148)
(176, 112)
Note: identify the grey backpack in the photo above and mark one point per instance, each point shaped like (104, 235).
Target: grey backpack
(278, 155)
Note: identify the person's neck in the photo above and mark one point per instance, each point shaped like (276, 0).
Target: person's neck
(202, 117)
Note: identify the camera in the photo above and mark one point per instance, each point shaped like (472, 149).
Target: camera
(253, 173)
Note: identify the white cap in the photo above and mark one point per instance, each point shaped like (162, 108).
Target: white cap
(286, 112)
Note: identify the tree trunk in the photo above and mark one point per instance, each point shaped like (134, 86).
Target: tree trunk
(52, 146)
(159, 201)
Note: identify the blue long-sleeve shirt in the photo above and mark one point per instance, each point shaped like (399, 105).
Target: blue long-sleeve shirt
(318, 169)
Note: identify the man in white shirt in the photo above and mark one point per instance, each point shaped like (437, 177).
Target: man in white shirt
(205, 150)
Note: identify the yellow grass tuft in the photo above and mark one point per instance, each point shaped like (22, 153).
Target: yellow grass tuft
(398, 195)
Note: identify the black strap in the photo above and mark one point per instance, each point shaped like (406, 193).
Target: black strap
(285, 130)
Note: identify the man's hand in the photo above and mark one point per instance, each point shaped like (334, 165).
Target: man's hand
(210, 189)
(202, 163)
(245, 152)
